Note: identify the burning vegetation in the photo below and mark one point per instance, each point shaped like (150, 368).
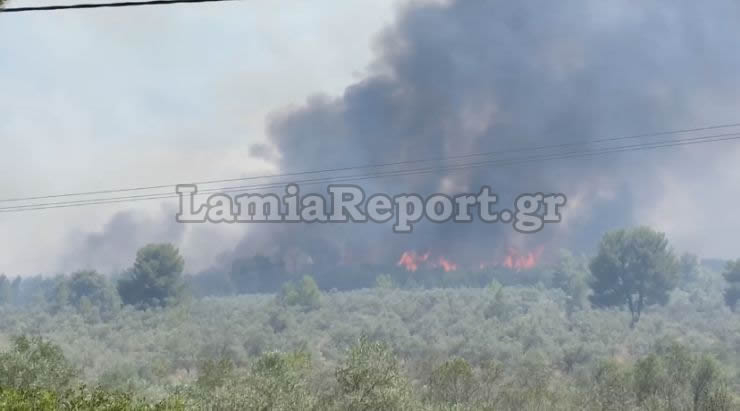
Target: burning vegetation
(514, 259)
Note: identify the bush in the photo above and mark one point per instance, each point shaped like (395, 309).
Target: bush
(452, 382)
(370, 379)
(34, 363)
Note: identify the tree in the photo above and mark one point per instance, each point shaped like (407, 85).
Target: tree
(305, 295)
(88, 290)
(732, 276)
(635, 267)
(571, 275)
(155, 278)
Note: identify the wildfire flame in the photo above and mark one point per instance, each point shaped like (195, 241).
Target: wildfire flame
(515, 260)
(411, 261)
(446, 264)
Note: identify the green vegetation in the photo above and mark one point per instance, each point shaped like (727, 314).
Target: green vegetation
(306, 294)
(633, 267)
(384, 281)
(370, 378)
(553, 338)
(732, 276)
(417, 349)
(33, 363)
(155, 278)
(571, 274)
(89, 293)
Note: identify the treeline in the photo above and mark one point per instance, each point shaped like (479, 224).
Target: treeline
(154, 280)
(634, 269)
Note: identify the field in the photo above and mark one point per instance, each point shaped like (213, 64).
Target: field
(497, 347)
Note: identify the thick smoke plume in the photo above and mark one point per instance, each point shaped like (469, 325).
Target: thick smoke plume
(471, 77)
(474, 76)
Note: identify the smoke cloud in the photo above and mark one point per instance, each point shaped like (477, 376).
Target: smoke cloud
(470, 77)
(114, 247)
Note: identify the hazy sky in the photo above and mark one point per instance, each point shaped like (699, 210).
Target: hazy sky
(154, 95)
(114, 98)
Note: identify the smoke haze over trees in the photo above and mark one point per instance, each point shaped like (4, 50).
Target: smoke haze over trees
(622, 306)
(455, 78)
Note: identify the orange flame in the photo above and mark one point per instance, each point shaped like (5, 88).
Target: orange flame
(517, 261)
(446, 264)
(513, 260)
(411, 261)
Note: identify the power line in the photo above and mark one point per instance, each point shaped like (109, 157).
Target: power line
(379, 165)
(325, 180)
(104, 5)
(634, 147)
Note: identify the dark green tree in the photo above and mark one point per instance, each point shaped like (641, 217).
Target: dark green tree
(155, 278)
(732, 276)
(635, 267)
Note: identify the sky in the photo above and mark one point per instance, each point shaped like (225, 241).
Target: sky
(114, 98)
(102, 99)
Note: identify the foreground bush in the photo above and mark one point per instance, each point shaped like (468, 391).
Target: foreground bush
(79, 399)
(501, 348)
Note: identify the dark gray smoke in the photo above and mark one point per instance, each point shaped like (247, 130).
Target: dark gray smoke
(474, 76)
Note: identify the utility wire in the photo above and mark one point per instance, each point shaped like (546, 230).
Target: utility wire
(103, 5)
(378, 165)
(714, 138)
(453, 168)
